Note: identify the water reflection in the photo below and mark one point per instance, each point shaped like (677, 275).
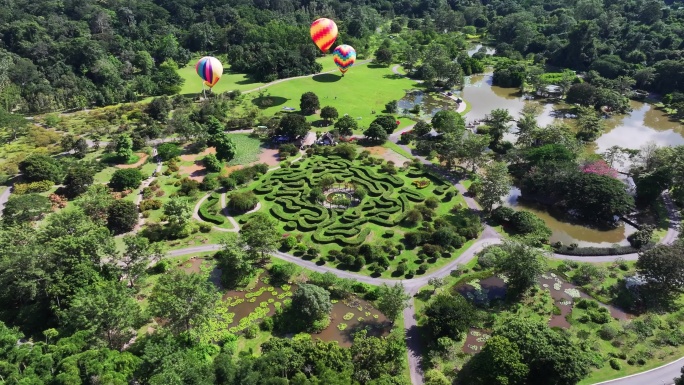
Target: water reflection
(567, 232)
(429, 103)
(476, 47)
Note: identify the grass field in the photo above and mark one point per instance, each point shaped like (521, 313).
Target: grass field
(363, 89)
(231, 81)
(248, 149)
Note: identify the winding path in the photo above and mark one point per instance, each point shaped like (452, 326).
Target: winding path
(663, 375)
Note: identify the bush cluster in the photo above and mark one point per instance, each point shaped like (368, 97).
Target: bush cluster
(33, 187)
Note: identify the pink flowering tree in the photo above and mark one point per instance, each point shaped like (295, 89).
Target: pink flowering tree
(599, 167)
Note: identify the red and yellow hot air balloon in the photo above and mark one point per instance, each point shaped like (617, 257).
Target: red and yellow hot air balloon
(324, 33)
(210, 70)
(344, 57)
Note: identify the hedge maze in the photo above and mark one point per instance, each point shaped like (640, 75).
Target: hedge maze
(388, 199)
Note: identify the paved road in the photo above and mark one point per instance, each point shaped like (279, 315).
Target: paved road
(4, 197)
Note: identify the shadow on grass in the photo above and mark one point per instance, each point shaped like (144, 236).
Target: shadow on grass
(321, 123)
(393, 76)
(375, 65)
(269, 101)
(326, 78)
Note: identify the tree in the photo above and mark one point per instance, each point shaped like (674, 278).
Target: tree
(472, 150)
(384, 56)
(95, 202)
(234, 262)
(387, 122)
(309, 103)
(589, 124)
(435, 377)
(124, 148)
(177, 211)
(329, 114)
(159, 109)
(37, 167)
(500, 363)
(25, 208)
(494, 184)
(78, 179)
(498, 120)
(376, 133)
(391, 107)
(225, 147)
(261, 235)
(421, 128)
(183, 300)
(436, 283)
(522, 264)
(293, 126)
(122, 216)
(137, 256)
(211, 163)
(583, 94)
(126, 179)
(680, 380)
(311, 303)
(393, 300)
(80, 148)
(447, 121)
(346, 125)
(663, 269)
(168, 151)
(449, 316)
(107, 310)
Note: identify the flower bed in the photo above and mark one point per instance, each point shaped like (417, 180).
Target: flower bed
(421, 183)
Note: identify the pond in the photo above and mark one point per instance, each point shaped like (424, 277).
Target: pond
(474, 48)
(347, 317)
(568, 232)
(644, 124)
(430, 103)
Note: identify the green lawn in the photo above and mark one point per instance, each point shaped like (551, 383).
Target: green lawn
(248, 149)
(231, 81)
(363, 89)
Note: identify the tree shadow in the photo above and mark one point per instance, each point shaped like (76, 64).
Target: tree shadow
(376, 65)
(264, 102)
(326, 78)
(393, 76)
(321, 123)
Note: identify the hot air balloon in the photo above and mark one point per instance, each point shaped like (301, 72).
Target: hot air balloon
(344, 57)
(324, 33)
(210, 70)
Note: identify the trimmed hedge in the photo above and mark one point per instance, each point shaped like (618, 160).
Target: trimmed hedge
(204, 211)
(599, 251)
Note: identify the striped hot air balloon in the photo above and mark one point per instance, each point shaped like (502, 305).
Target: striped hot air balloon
(210, 70)
(344, 57)
(324, 33)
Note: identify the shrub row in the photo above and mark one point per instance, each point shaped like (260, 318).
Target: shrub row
(412, 195)
(599, 251)
(205, 210)
(33, 187)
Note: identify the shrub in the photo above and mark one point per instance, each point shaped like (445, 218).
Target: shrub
(188, 187)
(288, 149)
(421, 183)
(432, 202)
(615, 364)
(33, 187)
(266, 324)
(502, 214)
(211, 163)
(210, 182)
(288, 243)
(251, 332)
(608, 332)
(150, 204)
(242, 201)
(168, 151)
(389, 233)
(160, 267)
(228, 183)
(204, 227)
(599, 316)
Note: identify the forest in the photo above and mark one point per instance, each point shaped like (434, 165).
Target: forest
(77, 54)
(89, 299)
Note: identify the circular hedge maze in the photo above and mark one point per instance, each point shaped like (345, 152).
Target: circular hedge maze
(388, 198)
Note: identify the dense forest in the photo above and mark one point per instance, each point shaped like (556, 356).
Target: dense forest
(74, 54)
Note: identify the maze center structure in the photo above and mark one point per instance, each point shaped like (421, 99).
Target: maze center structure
(388, 198)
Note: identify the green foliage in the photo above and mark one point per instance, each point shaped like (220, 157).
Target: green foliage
(210, 210)
(225, 147)
(33, 187)
(241, 202)
(393, 300)
(168, 151)
(346, 125)
(183, 300)
(125, 179)
(522, 265)
(309, 103)
(25, 208)
(310, 303)
(122, 216)
(77, 180)
(36, 168)
(293, 126)
(376, 133)
(449, 316)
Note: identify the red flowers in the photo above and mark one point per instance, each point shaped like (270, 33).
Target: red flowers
(599, 167)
